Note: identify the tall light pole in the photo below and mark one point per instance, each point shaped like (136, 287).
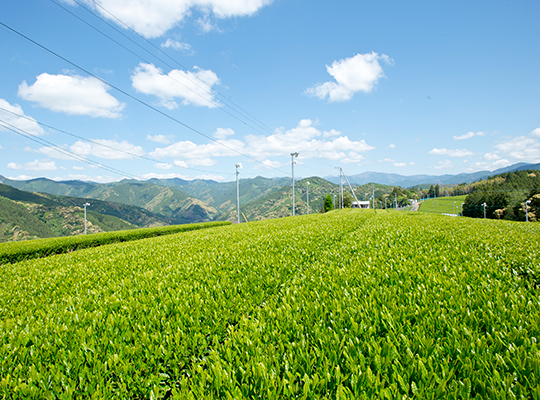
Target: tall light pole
(454, 207)
(484, 204)
(385, 200)
(527, 210)
(85, 205)
(295, 154)
(307, 193)
(238, 191)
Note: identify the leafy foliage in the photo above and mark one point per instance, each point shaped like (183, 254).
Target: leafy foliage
(12, 252)
(321, 306)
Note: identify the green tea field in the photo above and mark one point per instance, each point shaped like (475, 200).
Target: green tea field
(344, 305)
(440, 205)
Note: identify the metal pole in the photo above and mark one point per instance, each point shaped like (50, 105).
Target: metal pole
(527, 210)
(454, 207)
(295, 154)
(484, 210)
(238, 191)
(307, 193)
(85, 205)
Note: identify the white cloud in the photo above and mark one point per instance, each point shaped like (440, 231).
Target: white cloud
(76, 168)
(176, 45)
(392, 145)
(352, 75)
(192, 87)
(536, 133)
(492, 156)
(26, 124)
(187, 150)
(73, 95)
(222, 133)
(522, 148)
(312, 142)
(160, 138)
(305, 136)
(400, 164)
(36, 165)
(163, 166)
(444, 165)
(268, 164)
(389, 160)
(469, 135)
(109, 152)
(86, 178)
(184, 177)
(482, 166)
(153, 18)
(451, 153)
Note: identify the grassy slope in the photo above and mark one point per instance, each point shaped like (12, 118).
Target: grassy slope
(442, 205)
(352, 304)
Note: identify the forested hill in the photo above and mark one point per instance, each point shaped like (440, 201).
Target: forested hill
(505, 196)
(26, 215)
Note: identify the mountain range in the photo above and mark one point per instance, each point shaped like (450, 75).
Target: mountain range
(408, 181)
(45, 208)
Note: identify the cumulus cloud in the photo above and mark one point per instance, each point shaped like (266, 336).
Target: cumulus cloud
(451, 153)
(176, 45)
(392, 145)
(22, 122)
(268, 164)
(400, 164)
(483, 166)
(192, 87)
(222, 133)
(305, 136)
(308, 138)
(108, 149)
(492, 156)
(469, 135)
(184, 177)
(73, 95)
(536, 133)
(160, 138)
(36, 165)
(446, 164)
(389, 160)
(163, 166)
(522, 148)
(153, 18)
(351, 75)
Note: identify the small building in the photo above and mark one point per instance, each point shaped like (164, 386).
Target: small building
(360, 204)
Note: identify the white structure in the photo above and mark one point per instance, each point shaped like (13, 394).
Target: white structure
(360, 204)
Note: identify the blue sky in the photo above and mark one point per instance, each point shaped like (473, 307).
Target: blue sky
(415, 87)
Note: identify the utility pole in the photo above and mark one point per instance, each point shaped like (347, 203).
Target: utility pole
(527, 210)
(85, 205)
(484, 204)
(373, 195)
(295, 154)
(238, 191)
(307, 193)
(395, 200)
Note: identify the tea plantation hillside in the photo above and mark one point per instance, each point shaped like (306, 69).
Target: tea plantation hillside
(349, 304)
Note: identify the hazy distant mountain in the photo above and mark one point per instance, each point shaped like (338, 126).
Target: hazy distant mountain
(414, 180)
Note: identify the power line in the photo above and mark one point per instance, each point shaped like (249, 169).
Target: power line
(209, 90)
(78, 157)
(44, 48)
(101, 144)
(206, 88)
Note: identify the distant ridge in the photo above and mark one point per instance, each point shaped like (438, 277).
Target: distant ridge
(414, 180)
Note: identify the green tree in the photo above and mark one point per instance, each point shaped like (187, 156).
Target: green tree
(437, 190)
(328, 204)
